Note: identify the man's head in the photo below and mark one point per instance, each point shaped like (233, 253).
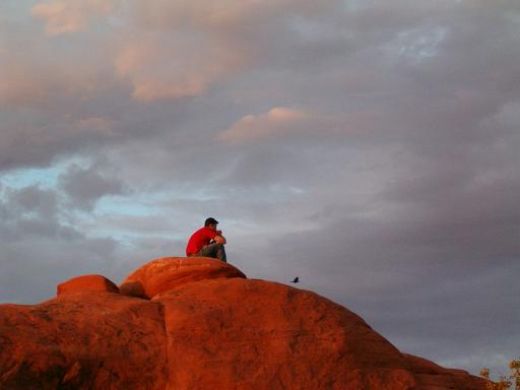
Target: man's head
(211, 223)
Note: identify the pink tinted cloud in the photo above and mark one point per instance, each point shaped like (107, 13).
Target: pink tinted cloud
(175, 49)
(286, 121)
(36, 82)
(170, 49)
(180, 65)
(20, 86)
(69, 16)
(224, 14)
(279, 121)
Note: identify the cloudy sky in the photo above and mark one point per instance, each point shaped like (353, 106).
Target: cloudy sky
(368, 146)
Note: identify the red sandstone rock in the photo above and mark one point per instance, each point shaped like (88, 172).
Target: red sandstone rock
(237, 333)
(216, 332)
(87, 283)
(433, 376)
(253, 334)
(168, 273)
(83, 341)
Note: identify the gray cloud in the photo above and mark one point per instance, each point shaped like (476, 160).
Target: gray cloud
(32, 200)
(85, 186)
(28, 211)
(36, 237)
(394, 193)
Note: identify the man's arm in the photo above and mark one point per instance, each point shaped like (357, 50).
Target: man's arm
(219, 238)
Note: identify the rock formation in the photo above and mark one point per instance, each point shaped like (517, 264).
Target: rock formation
(198, 323)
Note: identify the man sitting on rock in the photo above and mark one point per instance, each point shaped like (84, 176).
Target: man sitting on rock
(207, 242)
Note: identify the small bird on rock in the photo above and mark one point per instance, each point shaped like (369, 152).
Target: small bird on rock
(296, 280)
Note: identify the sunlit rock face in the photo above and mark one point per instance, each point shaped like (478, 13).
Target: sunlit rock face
(84, 283)
(198, 323)
(166, 274)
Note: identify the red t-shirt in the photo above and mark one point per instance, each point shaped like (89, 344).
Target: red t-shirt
(199, 239)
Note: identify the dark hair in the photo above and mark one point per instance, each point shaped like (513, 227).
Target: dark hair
(210, 221)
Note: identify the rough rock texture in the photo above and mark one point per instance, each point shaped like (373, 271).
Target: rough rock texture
(205, 327)
(83, 341)
(87, 283)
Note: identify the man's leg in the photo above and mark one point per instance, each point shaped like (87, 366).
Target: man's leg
(216, 251)
(221, 253)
